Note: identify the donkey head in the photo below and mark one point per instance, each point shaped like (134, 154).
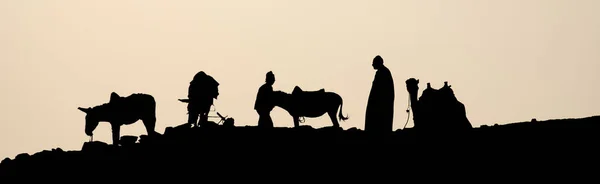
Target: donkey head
(95, 115)
(91, 120)
(281, 99)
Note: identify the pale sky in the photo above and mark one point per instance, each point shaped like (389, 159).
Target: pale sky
(507, 60)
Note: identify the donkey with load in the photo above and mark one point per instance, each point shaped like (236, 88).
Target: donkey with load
(122, 111)
(310, 104)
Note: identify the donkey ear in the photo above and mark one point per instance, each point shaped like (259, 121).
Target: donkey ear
(86, 110)
(114, 96)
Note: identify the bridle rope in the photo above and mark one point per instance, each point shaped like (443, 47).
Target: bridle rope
(407, 112)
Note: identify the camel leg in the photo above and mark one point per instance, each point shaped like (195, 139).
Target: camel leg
(333, 119)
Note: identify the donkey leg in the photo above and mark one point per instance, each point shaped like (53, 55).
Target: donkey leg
(116, 134)
(296, 122)
(333, 119)
(150, 124)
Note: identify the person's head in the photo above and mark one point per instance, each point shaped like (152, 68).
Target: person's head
(270, 78)
(377, 62)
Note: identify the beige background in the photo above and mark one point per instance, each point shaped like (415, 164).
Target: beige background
(507, 60)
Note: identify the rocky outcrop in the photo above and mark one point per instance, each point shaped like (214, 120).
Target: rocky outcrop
(193, 152)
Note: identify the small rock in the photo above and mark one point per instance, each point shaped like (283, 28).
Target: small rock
(5, 161)
(22, 156)
(128, 140)
(229, 122)
(94, 146)
(354, 129)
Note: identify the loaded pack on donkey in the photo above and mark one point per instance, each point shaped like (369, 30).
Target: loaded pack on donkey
(202, 91)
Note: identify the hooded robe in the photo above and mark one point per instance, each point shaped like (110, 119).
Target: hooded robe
(380, 106)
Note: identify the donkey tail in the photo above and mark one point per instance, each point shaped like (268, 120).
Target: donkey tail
(340, 114)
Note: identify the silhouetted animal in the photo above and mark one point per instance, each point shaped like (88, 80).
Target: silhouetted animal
(122, 111)
(310, 104)
(202, 91)
(436, 109)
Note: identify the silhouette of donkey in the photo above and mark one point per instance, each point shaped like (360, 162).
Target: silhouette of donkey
(122, 111)
(436, 108)
(310, 104)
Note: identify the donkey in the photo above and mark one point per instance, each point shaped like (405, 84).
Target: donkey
(122, 111)
(310, 104)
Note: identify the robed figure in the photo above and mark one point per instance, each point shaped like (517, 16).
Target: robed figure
(379, 117)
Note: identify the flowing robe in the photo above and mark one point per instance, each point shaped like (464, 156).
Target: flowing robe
(380, 106)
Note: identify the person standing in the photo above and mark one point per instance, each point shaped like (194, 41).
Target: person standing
(264, 104)
(379, 116)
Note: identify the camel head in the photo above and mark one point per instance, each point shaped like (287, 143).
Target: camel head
(412, 85)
